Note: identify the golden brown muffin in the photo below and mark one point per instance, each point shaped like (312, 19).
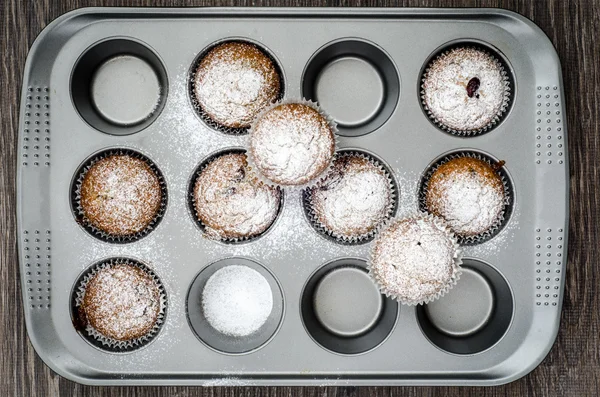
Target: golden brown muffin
(468, 193)
(120, 195)
(234, 82)
(229, 203)
(121, 302)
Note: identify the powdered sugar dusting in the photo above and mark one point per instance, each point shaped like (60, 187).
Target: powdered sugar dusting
(229, 203)
(237, 300)
(234, 82)
(121, 302)
(291, 144)
(228, 381)
(468, 194)
(120, 195)
(413, 259)
(354, 198)
(445, 89)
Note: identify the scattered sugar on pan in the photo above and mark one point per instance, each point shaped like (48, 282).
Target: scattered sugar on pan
(237, 300)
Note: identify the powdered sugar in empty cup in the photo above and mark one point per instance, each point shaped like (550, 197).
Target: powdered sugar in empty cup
(237, 300)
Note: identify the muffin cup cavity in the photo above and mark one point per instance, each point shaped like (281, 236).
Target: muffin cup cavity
(360, 106)
(456, 263)
(223, 343)
(474, 316)
(504, 215)
(79, 214)
(332, 126)
(340, 326)
(206, 119)
(93, 336)
(507, 76)
(119, 65)
(192, 204)
(311, 215)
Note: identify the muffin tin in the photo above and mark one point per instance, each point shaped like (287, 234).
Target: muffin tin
(364, 66)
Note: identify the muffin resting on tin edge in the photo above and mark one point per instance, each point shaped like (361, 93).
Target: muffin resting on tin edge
(465, 89)
(415, 260)
(353, 199)
(234, 82)
(230, 203)
(120, 195)
(291, 144)
(121, 302)
(468, 193)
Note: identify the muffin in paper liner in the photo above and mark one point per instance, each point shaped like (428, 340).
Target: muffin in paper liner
(311, 211)
(305, 184)
(506, 100)
(504, 215)
(377, 271)
(209, 121)
(192, 201)
(87, 224)
(92, 335)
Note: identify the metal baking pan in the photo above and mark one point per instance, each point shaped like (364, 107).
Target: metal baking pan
(516, 278)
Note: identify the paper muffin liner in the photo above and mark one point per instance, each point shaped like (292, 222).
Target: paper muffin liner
(313, 218)
(215, 125)
(194, 212)
(508, 196)
(309, 184)
(456, 262)
(87, 224)
(94, 336)
(506, 100)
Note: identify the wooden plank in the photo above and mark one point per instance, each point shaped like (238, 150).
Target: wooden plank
(573, 365)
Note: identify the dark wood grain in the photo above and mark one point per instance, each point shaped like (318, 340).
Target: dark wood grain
(573, 365)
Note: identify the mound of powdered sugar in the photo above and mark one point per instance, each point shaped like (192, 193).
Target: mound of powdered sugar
(237, 300)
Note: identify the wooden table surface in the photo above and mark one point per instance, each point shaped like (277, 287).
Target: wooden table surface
(572, 367)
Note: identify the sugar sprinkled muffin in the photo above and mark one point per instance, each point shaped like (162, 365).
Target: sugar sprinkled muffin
(120, 195)
(468, 193)
(292, 144)
(234, 82)
(230, 203)
(415, 260)
(354, 199)
(465, 89)
(121, 302)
